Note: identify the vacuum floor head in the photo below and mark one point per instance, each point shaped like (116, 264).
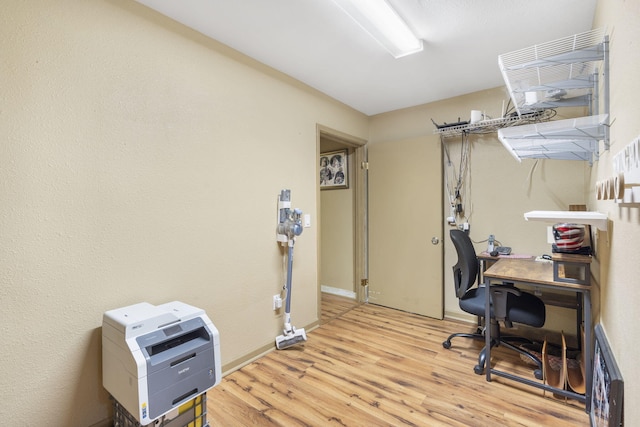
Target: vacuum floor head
(286, 341)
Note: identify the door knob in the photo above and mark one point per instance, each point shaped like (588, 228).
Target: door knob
(435, 240)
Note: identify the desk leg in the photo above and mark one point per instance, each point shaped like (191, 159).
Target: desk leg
(487, 329)
(480, 279)
(588, 348)
(580, 312)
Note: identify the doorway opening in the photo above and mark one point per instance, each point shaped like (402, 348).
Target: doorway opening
(342, 235)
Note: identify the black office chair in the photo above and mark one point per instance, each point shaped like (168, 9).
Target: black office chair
(508, 304)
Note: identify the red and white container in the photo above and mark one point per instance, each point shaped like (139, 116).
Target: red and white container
(568, 237)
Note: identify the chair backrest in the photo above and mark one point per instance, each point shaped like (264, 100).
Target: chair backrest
(465, 271)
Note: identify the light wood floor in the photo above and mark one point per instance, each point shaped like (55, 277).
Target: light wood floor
(334, 306)
(373, 366)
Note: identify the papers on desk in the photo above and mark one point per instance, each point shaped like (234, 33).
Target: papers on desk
(519, 256)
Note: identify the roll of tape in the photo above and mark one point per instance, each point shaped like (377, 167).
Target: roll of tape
(608, 190)
(530, 98)
(598, 190)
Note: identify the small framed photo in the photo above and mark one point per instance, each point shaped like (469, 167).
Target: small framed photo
(334, 170)
(607, 387)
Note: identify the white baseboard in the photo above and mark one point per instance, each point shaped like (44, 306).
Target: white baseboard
(460, 317)
(338, 291)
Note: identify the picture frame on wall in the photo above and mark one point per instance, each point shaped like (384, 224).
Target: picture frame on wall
(607, 386)
(334, 170)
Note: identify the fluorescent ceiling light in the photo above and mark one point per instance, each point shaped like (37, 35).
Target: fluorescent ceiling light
(384, 24)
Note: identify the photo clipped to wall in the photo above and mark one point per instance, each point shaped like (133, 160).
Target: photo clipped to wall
(334, 170)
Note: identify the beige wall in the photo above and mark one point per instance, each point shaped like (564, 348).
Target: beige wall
(140, 162)
(620, 290)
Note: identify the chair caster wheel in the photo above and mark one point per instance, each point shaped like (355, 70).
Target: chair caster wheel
(538, 374)
(478, 369)
(446, 344)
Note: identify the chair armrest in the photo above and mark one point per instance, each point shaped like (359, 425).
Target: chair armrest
(499, 294)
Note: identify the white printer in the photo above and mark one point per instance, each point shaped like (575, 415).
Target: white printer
(155, 358)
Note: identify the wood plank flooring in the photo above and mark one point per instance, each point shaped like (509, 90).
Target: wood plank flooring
(335, 306)
(372, 366)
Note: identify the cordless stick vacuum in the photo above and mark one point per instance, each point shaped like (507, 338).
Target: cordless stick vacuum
(289, 226)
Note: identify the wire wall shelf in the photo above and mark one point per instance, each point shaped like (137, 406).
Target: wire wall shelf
(558, 73)
(493, 125)
(540, 79)
(570, 139)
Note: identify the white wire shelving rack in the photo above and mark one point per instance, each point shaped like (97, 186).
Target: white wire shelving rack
(560, 73)
(567, 72)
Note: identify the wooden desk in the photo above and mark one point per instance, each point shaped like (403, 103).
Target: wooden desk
(486, 260)
(540, 274)
(554, 299)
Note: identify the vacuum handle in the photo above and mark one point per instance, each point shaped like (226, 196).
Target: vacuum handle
(287, 307)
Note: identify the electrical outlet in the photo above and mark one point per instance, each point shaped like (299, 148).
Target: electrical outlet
(277, 302)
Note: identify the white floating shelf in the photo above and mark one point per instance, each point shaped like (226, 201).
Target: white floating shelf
(595, 219)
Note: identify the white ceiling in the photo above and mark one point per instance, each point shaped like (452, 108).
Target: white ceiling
(316, 43)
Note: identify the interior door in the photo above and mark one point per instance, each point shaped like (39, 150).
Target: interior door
(406, 225)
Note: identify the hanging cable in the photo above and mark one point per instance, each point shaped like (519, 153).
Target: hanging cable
(455, 180)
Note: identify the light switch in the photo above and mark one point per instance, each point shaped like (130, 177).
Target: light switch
(307, 220)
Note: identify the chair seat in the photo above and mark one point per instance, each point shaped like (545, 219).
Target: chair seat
(526, 308)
